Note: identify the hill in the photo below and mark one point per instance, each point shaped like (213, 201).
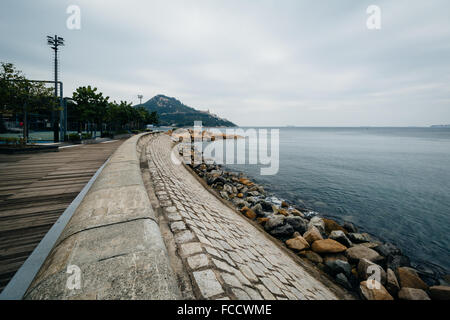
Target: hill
(172, 112)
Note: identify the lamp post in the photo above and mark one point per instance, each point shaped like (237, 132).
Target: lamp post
(54, 43)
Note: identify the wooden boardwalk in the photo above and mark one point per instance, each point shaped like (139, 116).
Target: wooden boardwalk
(35, 189)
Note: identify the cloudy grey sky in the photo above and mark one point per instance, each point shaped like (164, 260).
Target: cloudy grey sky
(255, 62)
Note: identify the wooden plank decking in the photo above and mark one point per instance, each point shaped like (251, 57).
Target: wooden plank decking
(35, 189)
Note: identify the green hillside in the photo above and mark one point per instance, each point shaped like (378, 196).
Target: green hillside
(172, 112)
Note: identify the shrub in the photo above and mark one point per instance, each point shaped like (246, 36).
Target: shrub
(87, 135)
(74, 137)
(12, 141)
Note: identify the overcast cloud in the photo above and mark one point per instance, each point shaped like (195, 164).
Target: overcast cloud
(254, 62)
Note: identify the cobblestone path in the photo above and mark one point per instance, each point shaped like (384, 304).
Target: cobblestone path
(225, 255)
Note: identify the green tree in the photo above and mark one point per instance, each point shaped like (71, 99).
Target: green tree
(18, 95)
(153, 119)
(91, 106)
(119, 115)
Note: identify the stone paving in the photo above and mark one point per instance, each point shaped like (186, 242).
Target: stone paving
(225, 255)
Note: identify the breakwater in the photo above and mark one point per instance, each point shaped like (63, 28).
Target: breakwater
(339, 250)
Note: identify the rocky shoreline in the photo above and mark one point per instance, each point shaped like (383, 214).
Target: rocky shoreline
(354, 260)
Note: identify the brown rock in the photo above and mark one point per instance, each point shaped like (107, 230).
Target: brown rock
(297, 243)
(243, 209)
(409, 278)
(240, 195)
(331, 225)
(391, 282)
(327, 246)
(262, 221)
(412, 294)
(312, 256)
(249, 213)
(283, 212)
(370, 245)
(284, 204)
(440, 292)
(297, 213)
(246, 182)
(312, 235)
(328, 257)
(377, 292)
(358, 252)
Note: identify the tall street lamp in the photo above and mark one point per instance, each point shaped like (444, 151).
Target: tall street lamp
(54, 43)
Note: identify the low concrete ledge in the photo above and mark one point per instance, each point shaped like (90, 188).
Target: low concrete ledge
(114, 240)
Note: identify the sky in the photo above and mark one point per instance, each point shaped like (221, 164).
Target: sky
(254, 62)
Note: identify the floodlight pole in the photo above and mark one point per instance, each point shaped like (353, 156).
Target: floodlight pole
(140, 96)
(54, 43)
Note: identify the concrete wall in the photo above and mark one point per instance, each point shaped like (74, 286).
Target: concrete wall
(114, 240)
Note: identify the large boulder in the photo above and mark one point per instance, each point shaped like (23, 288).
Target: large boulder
(374, 291)
(282, 232)
(339, 266)
(257, 208)
(412, 294)
(428, 275)
(249, 213)
(328, 246)
(318, 223)
(331, 225)
(440, 292)
(239, 202)
(299, 224)
(312, 256)
(312, 235)
(388, 249)
(267, 206)
(343, 281)
(228, 188)
(297, 243)
(350, 227)
(359, 237)
(334, 256)
(367, 268)
(391, 282)
(297, 213)
(356, 253)
(371, 245)
(251, 200)
(340, 237)
(274, 222)
(409, 278)
(263, 220)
